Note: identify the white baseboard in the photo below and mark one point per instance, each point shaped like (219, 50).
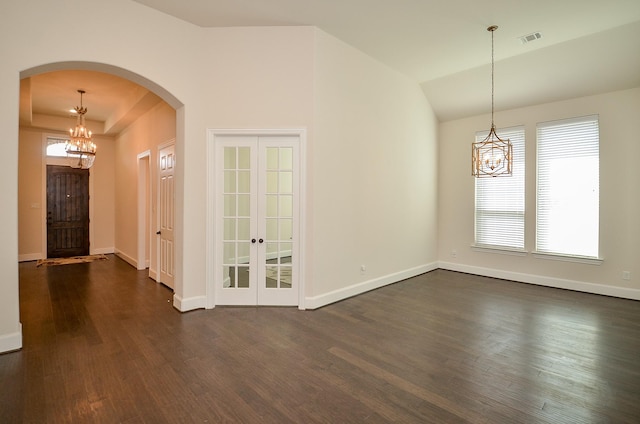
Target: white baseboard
(102, 251)
(189, 304)
(365, 286)
(30, 257)
(558, 283)
(11, 342)
(128, 259)
(153, 274)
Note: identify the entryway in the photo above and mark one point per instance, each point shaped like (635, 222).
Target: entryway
(257, 219)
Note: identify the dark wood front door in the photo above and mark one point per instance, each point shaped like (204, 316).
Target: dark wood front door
(67, 211)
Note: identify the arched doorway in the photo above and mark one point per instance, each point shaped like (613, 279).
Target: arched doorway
(129, 98)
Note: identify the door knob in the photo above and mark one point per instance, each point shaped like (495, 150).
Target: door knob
(260, 241)
(158, 232)
(253, 240)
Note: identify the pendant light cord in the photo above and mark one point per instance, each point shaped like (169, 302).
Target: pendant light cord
(492, 29)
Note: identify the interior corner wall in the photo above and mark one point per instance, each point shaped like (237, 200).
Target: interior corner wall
(374, 174)
(619, 197)
(156, 127)
(31, 165)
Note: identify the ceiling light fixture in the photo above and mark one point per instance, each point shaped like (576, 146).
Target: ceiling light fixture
(80, 149)
(493, 156)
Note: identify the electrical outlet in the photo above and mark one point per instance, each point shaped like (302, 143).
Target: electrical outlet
(626, 275)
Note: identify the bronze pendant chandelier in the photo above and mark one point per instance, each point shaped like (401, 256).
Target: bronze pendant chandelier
(493, 156)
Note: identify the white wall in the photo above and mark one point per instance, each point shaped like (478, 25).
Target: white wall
(373, 175)
(300, 77)
(619, 197)
(156, 127)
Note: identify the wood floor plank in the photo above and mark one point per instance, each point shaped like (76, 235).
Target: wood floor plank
(102, 343)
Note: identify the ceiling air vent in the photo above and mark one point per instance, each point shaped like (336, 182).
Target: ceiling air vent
(530, 37)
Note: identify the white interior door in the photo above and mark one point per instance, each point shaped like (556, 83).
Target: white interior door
(257, 224)
(167, 161)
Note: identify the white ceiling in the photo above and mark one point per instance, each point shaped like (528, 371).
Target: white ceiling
(587, 47)
(112, 103)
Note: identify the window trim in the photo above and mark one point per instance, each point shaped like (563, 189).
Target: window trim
(503, 250)
(591, 260)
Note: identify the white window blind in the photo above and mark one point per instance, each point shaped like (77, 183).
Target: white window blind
(499, 210)
(568, 197)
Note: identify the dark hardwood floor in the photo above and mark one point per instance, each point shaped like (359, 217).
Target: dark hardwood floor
(103, 344)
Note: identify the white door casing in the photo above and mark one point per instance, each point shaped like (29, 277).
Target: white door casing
(144, 210)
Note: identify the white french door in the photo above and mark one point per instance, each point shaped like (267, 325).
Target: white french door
(257, 220)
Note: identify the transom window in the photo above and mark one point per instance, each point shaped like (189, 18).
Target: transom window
(56, 147)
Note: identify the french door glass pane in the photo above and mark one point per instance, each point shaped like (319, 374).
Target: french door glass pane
(229, 181)
(229, 158)
(244, 228)
(272, 182)
(244, 158)
(272, 205)
(243, 277)
(286, 182)
(229, 204)
(286, 206)
(229, 228)
(272, 229)
(244, 205)
(244, 183)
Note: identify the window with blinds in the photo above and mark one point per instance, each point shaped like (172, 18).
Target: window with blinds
(499, 209)
(568, 198)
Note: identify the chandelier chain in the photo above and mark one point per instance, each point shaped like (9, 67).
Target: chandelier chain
(492, 29)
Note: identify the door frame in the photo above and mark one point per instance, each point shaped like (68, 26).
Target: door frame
(61, 161)
(144, 210)
(210, 231)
